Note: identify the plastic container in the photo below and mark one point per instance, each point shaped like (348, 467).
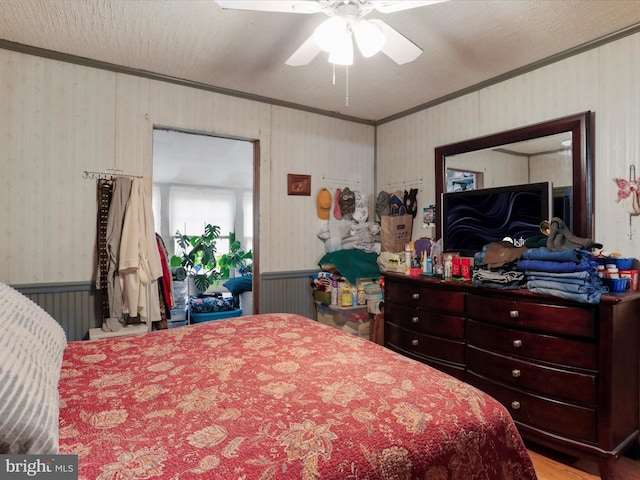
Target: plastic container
(361, 295)
(448, 263)
(178, 314)
(621, 263)
(373, 306)
(616, 285)
(180, 293)
(339, 316)
(429, 266)
(624, 263)
(207, 317)
(407, 259)
(324, 297)
(175, 324)
(346, 296)
(633, 278)
(372, 290)
(334, 292)
(612, 272)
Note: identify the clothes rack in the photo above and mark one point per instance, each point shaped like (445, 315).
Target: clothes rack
(108, 174)
(339, 181)
(406, 183)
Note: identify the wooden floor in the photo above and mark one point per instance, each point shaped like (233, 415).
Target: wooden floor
(553, 466)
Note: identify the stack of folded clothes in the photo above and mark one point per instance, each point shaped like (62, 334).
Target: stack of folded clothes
(570, 273)
(495, 267)
(556, 263)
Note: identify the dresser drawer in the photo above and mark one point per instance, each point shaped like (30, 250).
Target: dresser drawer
(565, 419)
(420, 296)
(560, 319)
(424, 345)
(423, 321)
(552, 382)
(453, 369)
(535, 346)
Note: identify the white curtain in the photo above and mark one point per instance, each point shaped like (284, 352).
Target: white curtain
(191, 208)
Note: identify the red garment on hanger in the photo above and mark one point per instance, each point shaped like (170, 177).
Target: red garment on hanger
(167, 280)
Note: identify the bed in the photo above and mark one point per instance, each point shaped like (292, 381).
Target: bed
(272, 396)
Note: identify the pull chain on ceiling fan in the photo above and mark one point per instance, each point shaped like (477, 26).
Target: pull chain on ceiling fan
(345, 23)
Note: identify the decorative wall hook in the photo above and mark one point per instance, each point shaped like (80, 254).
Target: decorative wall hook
(629, 194)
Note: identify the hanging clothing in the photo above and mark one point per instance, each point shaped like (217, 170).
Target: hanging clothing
(105, 190)
(165, 286)
(121, 191)
(140, 266)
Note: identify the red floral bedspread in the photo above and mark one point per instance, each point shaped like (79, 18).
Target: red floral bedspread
(275, 396)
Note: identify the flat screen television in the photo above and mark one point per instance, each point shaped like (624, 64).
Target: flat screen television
(472, 219)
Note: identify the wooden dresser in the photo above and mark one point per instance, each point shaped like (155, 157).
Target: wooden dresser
(567, 372)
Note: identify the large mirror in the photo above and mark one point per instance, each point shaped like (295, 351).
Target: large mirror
(559, 150)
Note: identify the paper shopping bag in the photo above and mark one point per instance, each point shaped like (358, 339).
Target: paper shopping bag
(395, 232)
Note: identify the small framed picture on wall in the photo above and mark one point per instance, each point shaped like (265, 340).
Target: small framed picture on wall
(298, 184)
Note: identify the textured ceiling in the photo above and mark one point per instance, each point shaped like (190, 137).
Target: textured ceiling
(465, 43)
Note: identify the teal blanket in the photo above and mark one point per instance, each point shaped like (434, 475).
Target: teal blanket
(352, 264)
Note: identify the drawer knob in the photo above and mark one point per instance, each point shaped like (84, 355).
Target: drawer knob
(415, 296)
(515, 405)
(517, 343)
(415, 319)
(414, 343)
(514, 314)
(515, 373)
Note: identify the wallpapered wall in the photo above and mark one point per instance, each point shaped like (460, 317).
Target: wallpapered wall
(603, 80)
(60, 119)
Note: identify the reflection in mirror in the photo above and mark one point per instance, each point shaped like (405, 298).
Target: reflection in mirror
(557, 151)
(532, 161)
(461, 179)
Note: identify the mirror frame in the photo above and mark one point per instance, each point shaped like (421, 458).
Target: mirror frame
(579, 125)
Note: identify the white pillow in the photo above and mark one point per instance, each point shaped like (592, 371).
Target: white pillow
(31, 347)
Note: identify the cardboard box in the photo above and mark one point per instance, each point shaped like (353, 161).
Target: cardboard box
(338, 317)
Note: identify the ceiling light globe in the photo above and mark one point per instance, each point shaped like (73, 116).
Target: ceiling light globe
(330, 32)
(369, 37)
(342, 54)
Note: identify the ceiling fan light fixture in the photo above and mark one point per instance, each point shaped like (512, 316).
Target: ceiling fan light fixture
(330, 34)
(369, 37)
(342, 54)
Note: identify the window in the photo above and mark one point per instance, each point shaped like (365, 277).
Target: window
(191, 208)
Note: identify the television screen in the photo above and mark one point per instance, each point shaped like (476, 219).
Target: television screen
(473, 218)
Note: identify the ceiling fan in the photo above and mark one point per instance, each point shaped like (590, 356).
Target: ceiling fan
(346, 21)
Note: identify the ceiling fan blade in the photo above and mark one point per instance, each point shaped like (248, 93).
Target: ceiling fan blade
(397, 47)
(390, 6)
(305, 53)
(287, 6)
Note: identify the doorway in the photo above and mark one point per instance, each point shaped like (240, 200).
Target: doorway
(200, 179)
